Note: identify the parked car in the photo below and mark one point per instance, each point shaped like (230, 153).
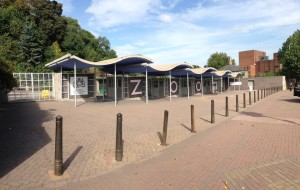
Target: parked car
(297, 89)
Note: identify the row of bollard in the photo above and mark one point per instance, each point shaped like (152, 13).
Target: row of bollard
(58, 163)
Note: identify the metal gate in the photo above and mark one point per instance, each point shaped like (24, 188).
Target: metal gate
(33, 87)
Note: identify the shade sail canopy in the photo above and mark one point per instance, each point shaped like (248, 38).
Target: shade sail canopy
(67, 62)
(236, 74)
(217, 74)
(151, 69)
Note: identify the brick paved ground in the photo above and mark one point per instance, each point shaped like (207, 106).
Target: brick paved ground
(260, 142)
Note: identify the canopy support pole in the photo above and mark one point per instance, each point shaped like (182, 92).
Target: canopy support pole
(187, 84)
(212, 84)
(221, 84)
(75, 84)
(146, 86)
(234, 84)
(61, 83)
(201, 87)
(170, 86)
(240, 84)
(228, 85)
(103, 87)
(115, 73)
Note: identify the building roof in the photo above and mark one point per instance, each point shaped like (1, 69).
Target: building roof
(233, 68)
(68, 61)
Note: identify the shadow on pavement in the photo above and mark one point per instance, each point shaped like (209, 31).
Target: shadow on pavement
(68, 162)
(183, 125)
(205, 120)
(160, 136)
(295, 100)
(21, 133)
(254, 114)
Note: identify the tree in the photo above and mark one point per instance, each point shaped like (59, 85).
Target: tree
(289, 56)
(7, 80)
(218, 60)
(33, 33)
(31, 46)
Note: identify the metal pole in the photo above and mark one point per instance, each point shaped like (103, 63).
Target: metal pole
(103, 87)
(115, 73)
(249, 98)
(170, 86)
(254, 96)
(212, 81)
(240, 84)
(201, 87)
(212, 111)
(244, 100)
(221, 84)
(228, 84)
(237, 103)
(234, 84)
(32, 87)
(119, 139)
(146, 86)
(192, 119)
(165, 129)
(187, 84)
(226, 107)
(258, 95)
(58, 163)
(61, 83)
(75, 84)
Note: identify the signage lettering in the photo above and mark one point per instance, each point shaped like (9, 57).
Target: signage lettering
(134, 91)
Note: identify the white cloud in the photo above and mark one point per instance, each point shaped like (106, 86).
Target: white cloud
(169, 34)
(110, 13)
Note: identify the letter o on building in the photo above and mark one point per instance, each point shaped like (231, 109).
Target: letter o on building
(198, 85)
(176, 86)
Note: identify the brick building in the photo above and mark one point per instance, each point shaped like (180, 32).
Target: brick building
(257, 62)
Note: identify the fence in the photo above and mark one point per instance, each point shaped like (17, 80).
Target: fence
(33, 87)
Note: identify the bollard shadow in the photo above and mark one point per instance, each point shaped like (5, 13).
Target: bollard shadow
(205, 120)
(183, 125)
(253, 114)
(22, 133)
(160, 137)
(221, 114)
(68, 162)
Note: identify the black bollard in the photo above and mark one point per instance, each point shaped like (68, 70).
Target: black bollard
(237, 103)
(254, 100)
(58, 163)
(261, 95)
(257, 95)
(119, 139)
(192, 119)
(165, 129)
(226, 107)
(249, 98)
(244, 100)
(212, 111)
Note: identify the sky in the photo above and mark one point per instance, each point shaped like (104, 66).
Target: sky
(175, 31)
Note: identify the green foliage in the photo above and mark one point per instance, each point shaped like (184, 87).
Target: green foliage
(196, 66)
(268, 74)
(289, 56)
(31, 47)
(33, 33)
(218, 60)
(7, 81)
